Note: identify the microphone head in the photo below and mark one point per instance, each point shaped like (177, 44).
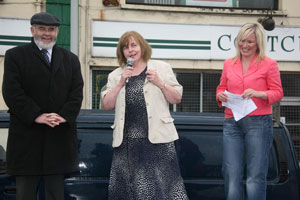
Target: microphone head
(130, 62)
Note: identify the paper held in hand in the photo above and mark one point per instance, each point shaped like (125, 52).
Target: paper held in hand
(240, 107)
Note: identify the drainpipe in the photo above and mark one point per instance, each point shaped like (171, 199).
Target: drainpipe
(74, 27)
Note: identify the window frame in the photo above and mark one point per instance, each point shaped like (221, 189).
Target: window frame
(212, 10)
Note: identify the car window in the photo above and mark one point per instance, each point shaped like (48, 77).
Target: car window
(3, 141)
(200, 156)
(95, 151)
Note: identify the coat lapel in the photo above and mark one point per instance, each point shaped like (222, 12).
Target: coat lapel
(237, 68)
(57, 57)
(119, 75)
(149, 66)
(39, 54)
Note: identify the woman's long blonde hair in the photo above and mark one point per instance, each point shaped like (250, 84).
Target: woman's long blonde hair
(259, 32)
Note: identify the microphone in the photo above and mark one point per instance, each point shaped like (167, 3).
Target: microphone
(130, 62)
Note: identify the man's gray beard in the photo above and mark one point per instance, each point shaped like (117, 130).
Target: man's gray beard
(42, 45)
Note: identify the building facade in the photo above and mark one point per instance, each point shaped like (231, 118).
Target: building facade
(194, 36)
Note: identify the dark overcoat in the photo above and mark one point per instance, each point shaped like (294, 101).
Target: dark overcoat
(31, 87)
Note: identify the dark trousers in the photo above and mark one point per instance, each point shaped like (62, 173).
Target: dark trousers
(27, 187)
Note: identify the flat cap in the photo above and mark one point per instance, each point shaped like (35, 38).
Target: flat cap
(44, 18)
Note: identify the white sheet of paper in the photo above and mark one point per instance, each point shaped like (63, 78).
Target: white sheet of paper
(240, 107)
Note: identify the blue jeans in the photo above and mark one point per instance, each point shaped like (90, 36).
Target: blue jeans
(246, 142)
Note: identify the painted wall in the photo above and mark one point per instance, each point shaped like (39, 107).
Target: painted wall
(93, 10)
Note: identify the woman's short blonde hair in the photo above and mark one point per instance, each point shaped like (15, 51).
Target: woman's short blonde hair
(259, 32)
(146, 50)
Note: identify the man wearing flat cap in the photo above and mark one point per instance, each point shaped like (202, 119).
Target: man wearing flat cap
(42, 87)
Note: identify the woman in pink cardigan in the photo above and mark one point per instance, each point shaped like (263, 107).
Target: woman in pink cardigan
(247, 142)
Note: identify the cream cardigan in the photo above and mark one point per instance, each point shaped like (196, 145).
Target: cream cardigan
(160, 122)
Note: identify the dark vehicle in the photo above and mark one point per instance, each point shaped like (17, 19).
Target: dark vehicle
(200, 157)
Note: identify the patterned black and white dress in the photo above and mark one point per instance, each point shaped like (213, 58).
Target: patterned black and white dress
(142, 170)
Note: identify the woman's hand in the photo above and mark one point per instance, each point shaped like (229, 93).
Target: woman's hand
(127, 73)
(153, 77)
(249, 93)
(170, 93)
(222, 96)
(110, 98)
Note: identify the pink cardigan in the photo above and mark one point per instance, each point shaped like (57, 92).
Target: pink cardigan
(261, 76)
